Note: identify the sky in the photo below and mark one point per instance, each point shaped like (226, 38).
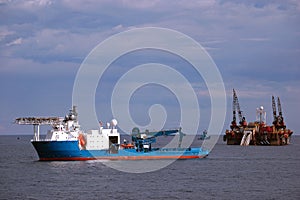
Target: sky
(255, 45)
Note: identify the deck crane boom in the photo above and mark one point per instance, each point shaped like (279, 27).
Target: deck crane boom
(237, 105)
(233, 123)
(234, 108)
(280, 117)
(274, 111)
(147, 138)
(279, 107)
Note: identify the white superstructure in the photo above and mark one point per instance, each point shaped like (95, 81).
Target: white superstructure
(68, 129)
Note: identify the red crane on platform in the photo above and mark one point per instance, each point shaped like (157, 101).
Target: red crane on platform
(236, 107)
(277, 119)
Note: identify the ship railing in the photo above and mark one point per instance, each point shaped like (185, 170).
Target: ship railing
(49, 140)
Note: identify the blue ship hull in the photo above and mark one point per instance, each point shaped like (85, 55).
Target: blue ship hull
(69, 150)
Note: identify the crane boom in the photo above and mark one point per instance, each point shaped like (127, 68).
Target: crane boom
(274, 109)
(234, 106)
(150, 137)
(279, 107)
(237, 106)
(278, 120)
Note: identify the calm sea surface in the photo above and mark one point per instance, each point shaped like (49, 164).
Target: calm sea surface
(229, 172)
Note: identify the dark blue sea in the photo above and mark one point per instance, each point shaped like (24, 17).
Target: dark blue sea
(229, 172)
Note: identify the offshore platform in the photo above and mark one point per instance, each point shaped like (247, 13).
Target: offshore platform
(258, 132)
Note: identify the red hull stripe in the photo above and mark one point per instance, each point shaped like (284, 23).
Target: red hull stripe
(122, 158)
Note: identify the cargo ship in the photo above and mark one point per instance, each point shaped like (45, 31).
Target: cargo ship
(67, 142)
(258, 132)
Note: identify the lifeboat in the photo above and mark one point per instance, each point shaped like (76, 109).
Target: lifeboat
(127, 146)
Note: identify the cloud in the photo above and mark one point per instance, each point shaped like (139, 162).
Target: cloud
(255, 44)
(118, 27)
(5, 33)
(255, 39)
(218, 25)
(30, 4)
(15, 42)
(140, 4)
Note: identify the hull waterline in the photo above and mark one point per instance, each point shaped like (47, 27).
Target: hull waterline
(70, 151)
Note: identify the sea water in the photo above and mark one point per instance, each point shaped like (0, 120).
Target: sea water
(229, 172)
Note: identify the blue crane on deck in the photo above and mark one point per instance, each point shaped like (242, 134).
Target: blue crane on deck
(142, 139)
